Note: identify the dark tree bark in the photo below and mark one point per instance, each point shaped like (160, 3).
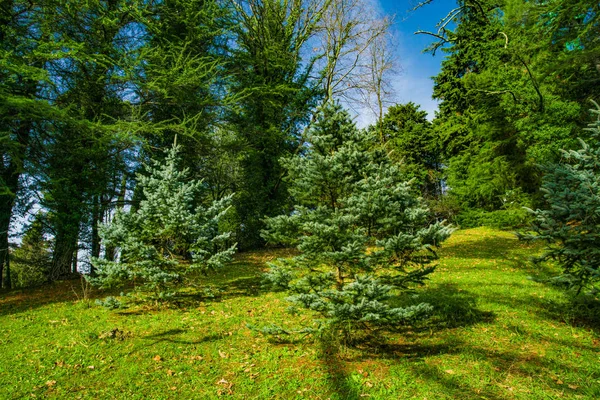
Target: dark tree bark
(65, 248)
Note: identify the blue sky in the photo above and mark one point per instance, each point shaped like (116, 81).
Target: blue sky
(416, 69)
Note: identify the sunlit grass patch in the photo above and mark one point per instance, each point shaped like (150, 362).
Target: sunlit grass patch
(493, 334)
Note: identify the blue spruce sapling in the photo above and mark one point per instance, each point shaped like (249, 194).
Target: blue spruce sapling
(570, 225)
(362, 233)
(173, 232)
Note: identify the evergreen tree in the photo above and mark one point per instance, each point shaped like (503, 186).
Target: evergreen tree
(179, 82)
(501, 114)
(362, 234)
(79, 159)
(171, 234)
(570, 225)
(31, 261)
(413, 144)
(275, 96)
(24, 50)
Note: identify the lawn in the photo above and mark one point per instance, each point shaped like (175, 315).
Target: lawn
(495, 334)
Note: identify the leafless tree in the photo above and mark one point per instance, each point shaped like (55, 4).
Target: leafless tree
(355, 56)
(373, 80)
(346, 46)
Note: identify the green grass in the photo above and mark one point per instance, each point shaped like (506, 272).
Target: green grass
(495, 335)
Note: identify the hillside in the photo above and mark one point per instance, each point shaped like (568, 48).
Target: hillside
(494, 334)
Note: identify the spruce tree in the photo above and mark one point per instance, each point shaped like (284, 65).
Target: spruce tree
(570, 225)
(170, 234)
(363, 236)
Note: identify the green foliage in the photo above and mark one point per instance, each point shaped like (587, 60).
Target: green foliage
(79, 157)
(30, 262)
(570, 30)
(275, 92)
(23, 54)
(362, 234)
(570, 225)
(413, 144)
(503, 111)
(500, 219)
(180, 63)
(170, 234)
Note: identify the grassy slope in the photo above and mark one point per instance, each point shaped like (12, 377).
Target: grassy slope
(495, 335)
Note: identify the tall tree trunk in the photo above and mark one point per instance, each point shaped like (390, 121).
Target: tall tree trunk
(65, 247)
(5, 199)
(7, 278)
(96, 220)
(20, 125)
(6, 203)
(3, 249)
(10, 175)
(110, 253)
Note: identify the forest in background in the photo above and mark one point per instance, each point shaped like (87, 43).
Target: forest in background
(90, 91)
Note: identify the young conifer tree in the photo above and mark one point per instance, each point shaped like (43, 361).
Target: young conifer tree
(570, 225)
(362, 234)
(172, 233)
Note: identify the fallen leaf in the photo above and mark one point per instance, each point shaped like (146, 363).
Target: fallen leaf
(170, 372)
(449, 371)
(91, 367)
(157, 358)
(223, 354)
(559, 382)
(574, 387)
(50, 383)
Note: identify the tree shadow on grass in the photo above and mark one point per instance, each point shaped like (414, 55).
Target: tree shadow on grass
(452, 308)
(172, 336)
(507, 365)
(22, 300)
(243, 277)
(27, 299)
(244, 286)
(458, 383)
(537, 270)
(577, 311)
(342, 381)
(453, 386)
(336, 370)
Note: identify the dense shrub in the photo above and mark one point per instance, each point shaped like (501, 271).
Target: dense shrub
(173, 232)
(501, 219)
